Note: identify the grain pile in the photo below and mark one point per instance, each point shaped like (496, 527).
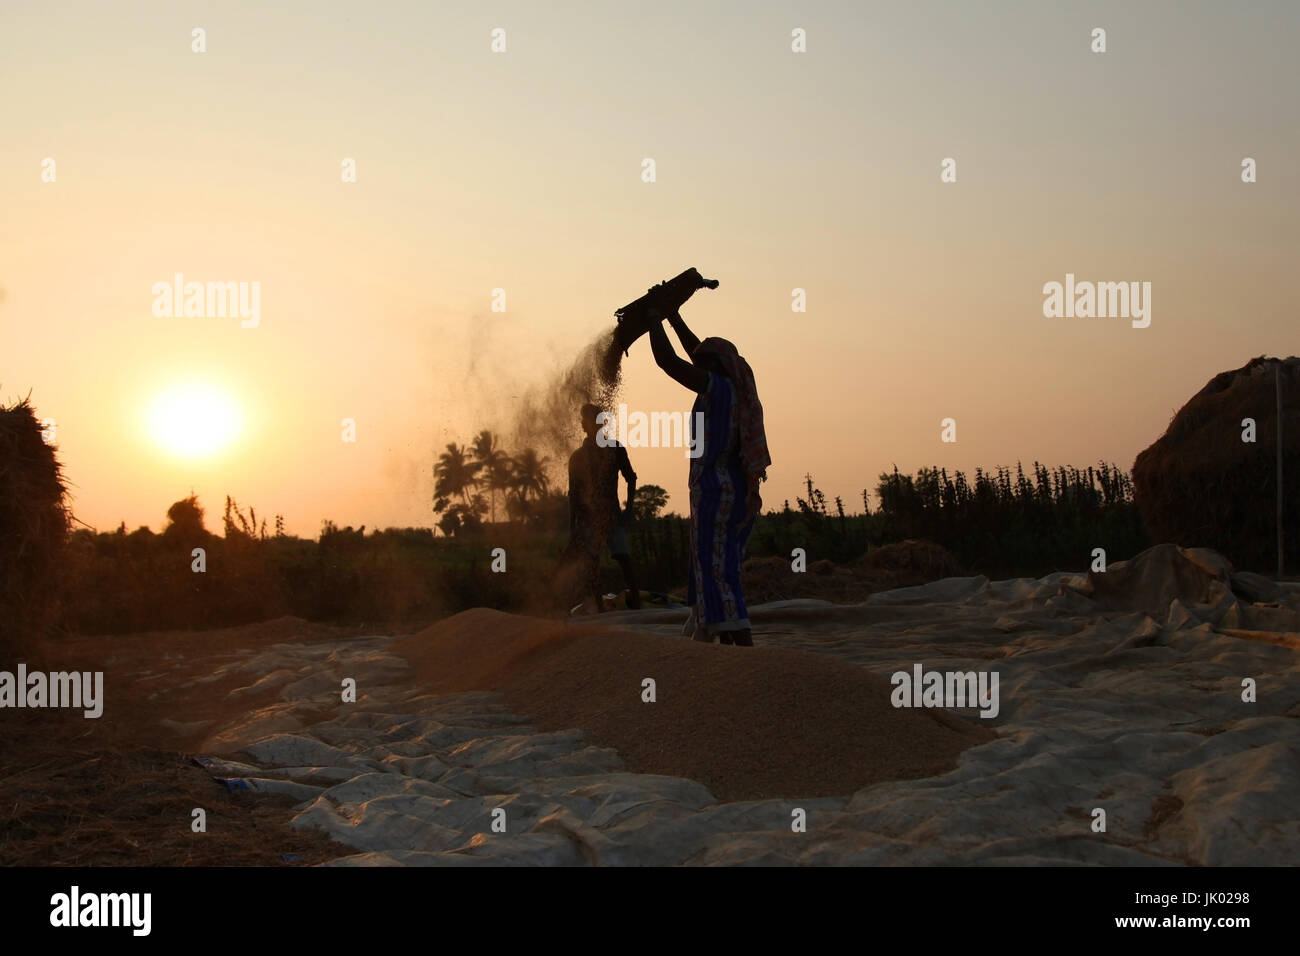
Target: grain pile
(748, 723)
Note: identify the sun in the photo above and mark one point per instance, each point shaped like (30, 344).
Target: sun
(194, 420)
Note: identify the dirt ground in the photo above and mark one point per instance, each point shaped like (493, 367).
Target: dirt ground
(119, 790)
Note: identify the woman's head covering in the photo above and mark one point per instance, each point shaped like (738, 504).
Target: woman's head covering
(753, 439)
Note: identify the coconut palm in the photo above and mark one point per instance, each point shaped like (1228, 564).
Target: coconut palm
(527, 478)
(494, 465)
(456, 473)
(530, 474)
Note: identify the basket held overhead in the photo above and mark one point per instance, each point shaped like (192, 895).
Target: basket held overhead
(635, 318)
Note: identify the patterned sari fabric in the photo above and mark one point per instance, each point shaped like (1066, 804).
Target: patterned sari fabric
(718, 483)
(749, 410)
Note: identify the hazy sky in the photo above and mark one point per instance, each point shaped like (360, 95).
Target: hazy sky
(522, 170)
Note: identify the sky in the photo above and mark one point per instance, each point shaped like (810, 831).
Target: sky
(523, 170)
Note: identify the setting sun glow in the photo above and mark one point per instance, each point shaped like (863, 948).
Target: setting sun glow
(194, 420)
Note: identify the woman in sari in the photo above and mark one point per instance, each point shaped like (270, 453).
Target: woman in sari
(730, 464)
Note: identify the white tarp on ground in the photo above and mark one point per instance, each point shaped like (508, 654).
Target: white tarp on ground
(1138, 712)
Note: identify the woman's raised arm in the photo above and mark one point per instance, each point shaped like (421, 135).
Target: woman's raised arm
(690, 341)
(680, 370)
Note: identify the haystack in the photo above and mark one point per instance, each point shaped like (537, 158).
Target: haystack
(33, 529)
(911, 562)
(1201, 485)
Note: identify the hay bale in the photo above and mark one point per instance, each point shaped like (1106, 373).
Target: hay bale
(33, 529)
(899, 565)
(1200, 485)
(911, 562)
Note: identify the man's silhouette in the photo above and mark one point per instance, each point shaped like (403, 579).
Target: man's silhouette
(595, 519)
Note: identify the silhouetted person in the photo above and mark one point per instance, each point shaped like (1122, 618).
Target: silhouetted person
(595, 519)
(725, 477)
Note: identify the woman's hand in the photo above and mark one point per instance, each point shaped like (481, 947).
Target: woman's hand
(657, 314)
(753, 504)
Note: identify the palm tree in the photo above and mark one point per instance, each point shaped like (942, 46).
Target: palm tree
(471, 514)
(456, 473)
(528, 476)
(494, 464)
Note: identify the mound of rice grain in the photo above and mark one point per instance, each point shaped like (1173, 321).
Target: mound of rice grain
(748, 723)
